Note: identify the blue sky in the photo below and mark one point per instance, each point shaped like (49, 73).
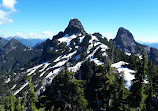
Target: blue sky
(44, 18)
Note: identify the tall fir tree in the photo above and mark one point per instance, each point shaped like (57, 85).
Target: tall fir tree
(18, 105)
(120, 100)
(106, 88)
(138, 96)
(6, 102)
(12, 102)
(32, 97)
(144, 75)
(2, 108)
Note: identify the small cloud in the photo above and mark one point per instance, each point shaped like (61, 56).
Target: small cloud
(9, 4)
(4, 15)
(142, 40)
(19, 34)
(109, 35)
(47, 33)
(33, 35)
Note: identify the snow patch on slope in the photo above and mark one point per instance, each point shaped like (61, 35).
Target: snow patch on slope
(14, 86)
(59, 64)
(76, 67)
(128, 73)
(95, 42)
(32, 70)
(8, 80)
(67, 39)
(119, 64)
(96, 61)
(48, 79)
(128, 54)
(69, 55)
(44, 66)
(81, 39)
(57, 59)
(23, 86)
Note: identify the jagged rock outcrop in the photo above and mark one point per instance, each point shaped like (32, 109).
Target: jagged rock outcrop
(125, 41)
(59, 35)
(154, 54)
(75, 27)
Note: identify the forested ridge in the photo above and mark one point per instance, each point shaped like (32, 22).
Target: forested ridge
(100, 88)
(77, 71)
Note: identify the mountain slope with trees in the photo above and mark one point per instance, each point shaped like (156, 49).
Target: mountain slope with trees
(74, 72)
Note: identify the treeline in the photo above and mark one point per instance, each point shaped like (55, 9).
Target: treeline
(92, 88)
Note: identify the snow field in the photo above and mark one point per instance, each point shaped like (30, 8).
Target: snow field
(128, 73)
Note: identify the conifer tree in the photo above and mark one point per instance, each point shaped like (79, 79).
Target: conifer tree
(12, 102)
(32, 98)
(153, 77)
(107, 88)
(24, 102)
(2, 108)
(119, 101)
(18, 105)
(138, 96)
(143, 71)
(6, 102)
(72, 91)
(152, 73)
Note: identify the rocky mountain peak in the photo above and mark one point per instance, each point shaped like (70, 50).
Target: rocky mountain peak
(14, 41)
(125, 35)
(12, 45)
(125, 40)
(75, 22)
(75, 27)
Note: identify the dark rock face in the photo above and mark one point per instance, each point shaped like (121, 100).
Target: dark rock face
(154, 54)
(125, 40)
(59, 35)
(75, 27)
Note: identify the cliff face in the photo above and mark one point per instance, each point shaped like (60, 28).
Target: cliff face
(75, 27)
(125, 40)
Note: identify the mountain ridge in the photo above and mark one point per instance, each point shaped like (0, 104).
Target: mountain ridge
(27, 42)
(73, 50)
(14, 55)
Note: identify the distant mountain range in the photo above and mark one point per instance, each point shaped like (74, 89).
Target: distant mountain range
(28, 42)
(155, 45)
